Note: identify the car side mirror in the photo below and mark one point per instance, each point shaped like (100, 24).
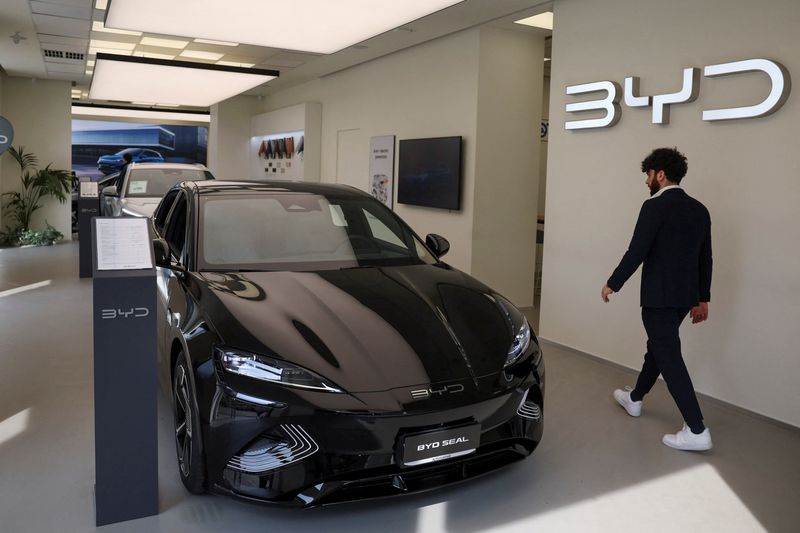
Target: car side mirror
(111, 190)
(438, 244)
(161, 252)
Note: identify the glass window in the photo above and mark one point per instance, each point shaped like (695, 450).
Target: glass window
(302, 231)
(175, 234)
(160, 217)
(155, 182)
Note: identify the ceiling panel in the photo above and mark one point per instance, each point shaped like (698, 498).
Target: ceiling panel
(61, 26)
(65, 69)
(60, 39)
(61, 10)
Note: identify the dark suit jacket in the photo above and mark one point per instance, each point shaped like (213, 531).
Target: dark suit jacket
(673, 239)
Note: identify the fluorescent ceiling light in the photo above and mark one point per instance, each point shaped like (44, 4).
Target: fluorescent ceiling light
(94, 111)
(139, 79)
(218, 43)
(197, 54)
(90, 63)
(101, 4)
(154, 56)
(235, 64)
(165, 43)
(320, 26)
(543, 20)
(111, 45)
(97, 25)
(89, 72)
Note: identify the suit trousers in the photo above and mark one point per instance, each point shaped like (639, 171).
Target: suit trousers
(664, 357)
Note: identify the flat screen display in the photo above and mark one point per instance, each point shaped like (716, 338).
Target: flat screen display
(429, 172)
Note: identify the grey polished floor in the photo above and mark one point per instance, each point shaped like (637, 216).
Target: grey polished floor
(596, 470)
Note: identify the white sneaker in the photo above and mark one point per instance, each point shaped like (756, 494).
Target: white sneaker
(686, 440)
(623, 398)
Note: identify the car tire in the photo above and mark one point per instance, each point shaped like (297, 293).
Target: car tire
(188, 439)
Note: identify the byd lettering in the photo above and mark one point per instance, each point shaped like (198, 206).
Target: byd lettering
(133, 312)
(420, 394)
(441, 444)
(779, 92)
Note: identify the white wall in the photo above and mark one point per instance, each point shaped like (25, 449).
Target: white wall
(426, 91)
(39, 111)
(229, 137)
(507, 161)
(745, 171)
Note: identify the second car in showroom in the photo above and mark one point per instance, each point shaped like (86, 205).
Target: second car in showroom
(318, 351)
(138, 190)
(108, 164)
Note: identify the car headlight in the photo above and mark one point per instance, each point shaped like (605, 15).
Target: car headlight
(273, 370)
(521, 341)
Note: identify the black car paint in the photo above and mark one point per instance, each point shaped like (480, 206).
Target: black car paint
(436, 318)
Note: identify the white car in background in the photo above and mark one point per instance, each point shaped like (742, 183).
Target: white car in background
(140, 188)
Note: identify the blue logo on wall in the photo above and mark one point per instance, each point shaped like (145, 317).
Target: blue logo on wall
(6, 134)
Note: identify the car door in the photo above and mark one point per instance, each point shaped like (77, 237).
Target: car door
(173, 282)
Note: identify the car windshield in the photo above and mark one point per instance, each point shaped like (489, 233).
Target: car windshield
(155, 182)
(303, 231)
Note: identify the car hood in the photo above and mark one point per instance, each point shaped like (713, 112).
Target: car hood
(365, 329)
(140, 207)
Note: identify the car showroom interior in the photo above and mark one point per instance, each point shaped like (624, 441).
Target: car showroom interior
(399, 266)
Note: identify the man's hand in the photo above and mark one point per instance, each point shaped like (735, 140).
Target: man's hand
(699, 313)
(605, 293)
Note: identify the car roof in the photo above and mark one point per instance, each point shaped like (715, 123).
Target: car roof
(187, 166)
(227, 187)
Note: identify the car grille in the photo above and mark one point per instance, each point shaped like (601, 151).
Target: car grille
(267, 453)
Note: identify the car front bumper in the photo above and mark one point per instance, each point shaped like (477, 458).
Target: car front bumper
(292, 452)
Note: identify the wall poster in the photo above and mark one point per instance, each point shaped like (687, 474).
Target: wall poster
(381, 168)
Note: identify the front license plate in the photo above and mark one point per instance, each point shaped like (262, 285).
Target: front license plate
(440, 445)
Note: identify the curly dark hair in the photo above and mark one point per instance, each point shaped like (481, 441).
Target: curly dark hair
(670, 160)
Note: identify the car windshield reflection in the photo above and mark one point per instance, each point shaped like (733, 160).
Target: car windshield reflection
(302, 231)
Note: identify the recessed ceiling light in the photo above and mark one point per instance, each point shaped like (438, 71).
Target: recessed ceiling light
(166, 43)
(97, 25)
(235, 64)
(547, 59)
(197, 54)
(111, 45)
(154, 55)
(139, 79)
(89, 72)
(101, 4)
(218, 43)
(543, 20)
(90, 63)
(320, 26)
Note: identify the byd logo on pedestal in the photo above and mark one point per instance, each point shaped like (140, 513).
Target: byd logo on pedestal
(779, 92)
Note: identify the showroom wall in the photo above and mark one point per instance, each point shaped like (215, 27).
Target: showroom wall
(745, 171)
(40, 112)
(511, 65)
(432, 90)
(229, 137)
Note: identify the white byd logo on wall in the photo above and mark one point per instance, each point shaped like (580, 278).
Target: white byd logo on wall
(6, 134)
(778, 75)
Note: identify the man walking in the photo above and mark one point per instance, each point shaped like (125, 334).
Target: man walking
(673, 239)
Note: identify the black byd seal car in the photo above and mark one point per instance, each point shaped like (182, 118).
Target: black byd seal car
(318, 351)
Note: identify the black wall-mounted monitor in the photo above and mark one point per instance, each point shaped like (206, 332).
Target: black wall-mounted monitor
(429, 172)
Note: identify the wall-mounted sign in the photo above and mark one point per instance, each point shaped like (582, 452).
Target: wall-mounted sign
(779, 92)
(6, 134)
(381, 168)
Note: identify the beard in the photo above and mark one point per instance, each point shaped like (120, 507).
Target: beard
(654, 188)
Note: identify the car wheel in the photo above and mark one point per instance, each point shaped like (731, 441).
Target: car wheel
(188, 441)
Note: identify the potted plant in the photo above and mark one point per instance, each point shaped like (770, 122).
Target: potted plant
(37, 184)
